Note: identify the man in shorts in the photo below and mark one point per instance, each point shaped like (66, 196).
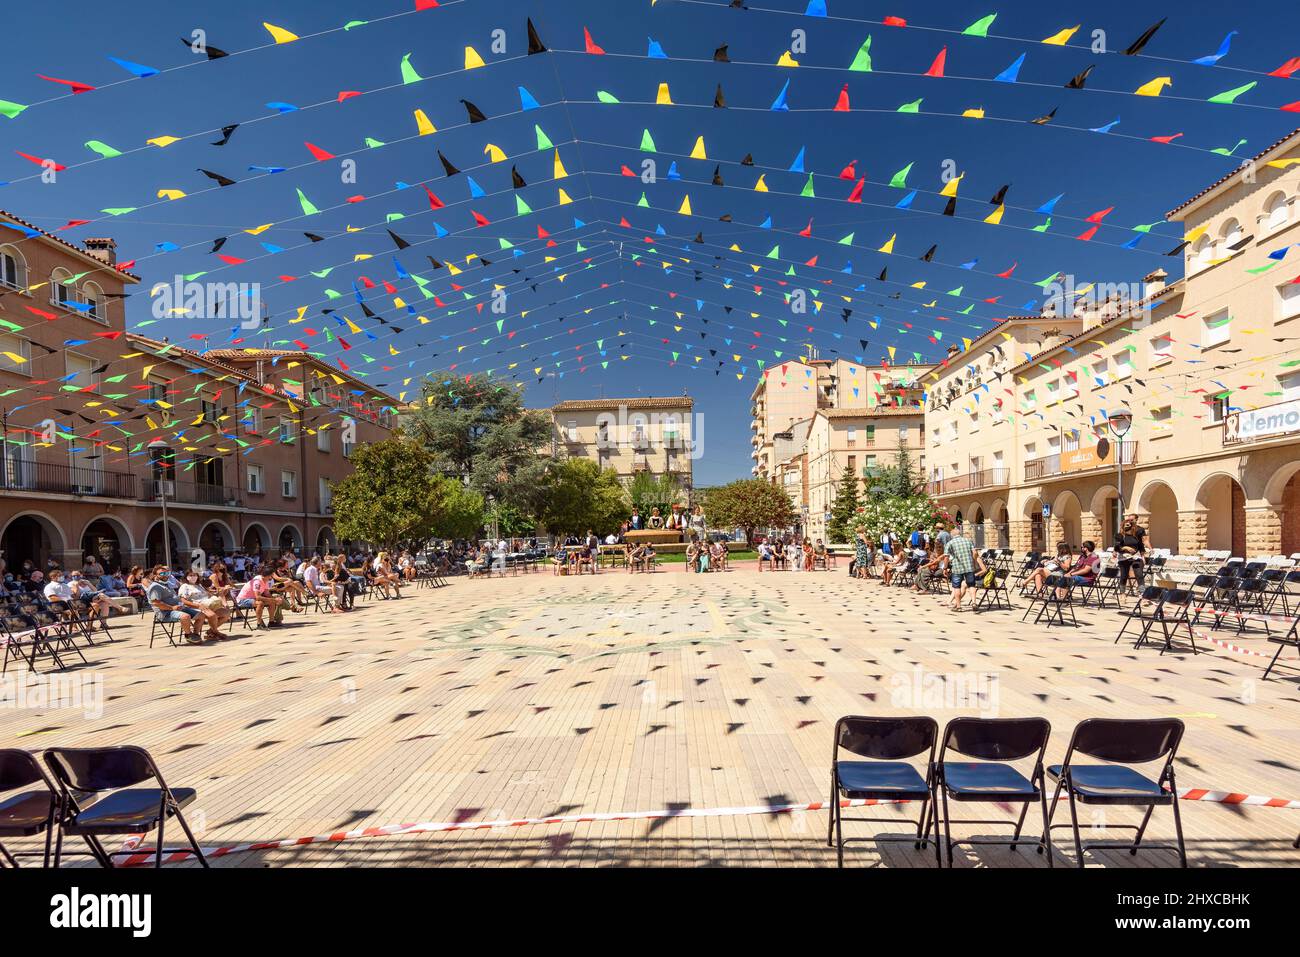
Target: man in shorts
(963, 564)
(168, 606)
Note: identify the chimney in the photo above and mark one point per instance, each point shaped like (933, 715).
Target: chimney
(1155, 282)
(105, 250)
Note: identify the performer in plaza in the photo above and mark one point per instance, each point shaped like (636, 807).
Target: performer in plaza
(677, 521)
(656, 521)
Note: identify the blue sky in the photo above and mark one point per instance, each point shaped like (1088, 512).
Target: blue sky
(575, 322)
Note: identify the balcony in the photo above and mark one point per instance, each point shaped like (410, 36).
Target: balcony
(190, 493)
(65, 479)
(1075, 459)
(971, 481)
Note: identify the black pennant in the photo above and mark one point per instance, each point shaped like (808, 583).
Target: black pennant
(475, 114)
(720, 55)
(719, 101)
(929, 254)
(214, 53)
(314, 238)
(717, 176)
(226, 133)
(1136, 46)
(748, 160)
(446, 165)
(951, 208)
(398, 241)
(1045, 118)
(220, 180)
(1000, 196)
(516, 179)
(535, 44)
(1079, 79)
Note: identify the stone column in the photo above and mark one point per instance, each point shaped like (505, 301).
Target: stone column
(1263, 530)
(1193, 531)
(1090, 529)
(1021, 535)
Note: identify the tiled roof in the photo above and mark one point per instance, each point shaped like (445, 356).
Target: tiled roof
(1231, 173)
(642, 402)
(76, 250)
(868, 413)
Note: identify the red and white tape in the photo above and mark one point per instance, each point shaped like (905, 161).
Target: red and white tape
(1229, 646)
(146, 856)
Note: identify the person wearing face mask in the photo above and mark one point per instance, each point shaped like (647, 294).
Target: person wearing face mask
(211, 609)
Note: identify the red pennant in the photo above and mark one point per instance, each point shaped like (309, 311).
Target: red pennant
(894, 22)
(807, 230)
(348, 94)
(1288, 68)
(434, 201)
(849, 172)
(1165, 139)
(76, 87)
(1101, 214)
(1007, 274)
(1291, 107)
(480, 219)
(591, 44)
(319, 153)
(1087, 234)
(842, 104)
(423, 5)
(936, 68)
(856, 195)
(57, 167)
(232, 260)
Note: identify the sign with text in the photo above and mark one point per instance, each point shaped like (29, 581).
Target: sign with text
(1265, 423)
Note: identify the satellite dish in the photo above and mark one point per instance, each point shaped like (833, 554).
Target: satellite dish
(1103, 448)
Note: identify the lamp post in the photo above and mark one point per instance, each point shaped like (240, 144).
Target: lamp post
(157, 446)
(1120, 422)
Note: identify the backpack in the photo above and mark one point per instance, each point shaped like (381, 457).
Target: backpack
(990, 576)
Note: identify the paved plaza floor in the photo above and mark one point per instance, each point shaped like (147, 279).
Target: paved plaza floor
(541, 696)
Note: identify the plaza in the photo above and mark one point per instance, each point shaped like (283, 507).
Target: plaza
(540, 696)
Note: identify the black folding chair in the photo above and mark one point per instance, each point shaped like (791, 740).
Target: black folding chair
(29, 811)
(994, 596)
(26, 641)
(1122, 742)
(110, 777)
(991, 779)
(1289, 640)
(1052, 603)
(886, 776)
(1031, 562)
(1174, 610)
(164, 625)
(1103, 586)
(1144, 610)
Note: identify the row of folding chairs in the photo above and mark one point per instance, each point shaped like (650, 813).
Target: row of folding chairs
(89, 793)
(34, 630)
(974, 762)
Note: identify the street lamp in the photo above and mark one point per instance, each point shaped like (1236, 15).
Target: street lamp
(1120, 421)
(157, 446)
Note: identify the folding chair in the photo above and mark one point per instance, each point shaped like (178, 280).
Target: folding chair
(886, 776)
(1152, 595)
(1289, 640)
(991, 779)
(1173, 610)
(166, 626)
(1053, 605)
(109, 777)
(30, 811)
(1122, 742)
(1030, 562)
(1104, 585)
(995, 595)
(25, 641)
(1204, 599)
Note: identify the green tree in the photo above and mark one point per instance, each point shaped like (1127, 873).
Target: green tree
(649, 491)
(391, 498)
(477, 430)
(579, 495)
(749, 504)
(461, 510)
(898, 480)
(845, 508)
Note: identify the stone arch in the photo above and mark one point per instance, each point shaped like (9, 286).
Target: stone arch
(1104, 510)
(217, 538)
(14, 271)
(97, 538)
(1157, 504)
(1279, 480)
(289, 539)
(1223, 499)
(326, 541)
(1067, 519)
(1000, 516)
(155, 554)
(257, 540)
(1033, 511)
(1275, 213)
(978, 519)
(35, 535)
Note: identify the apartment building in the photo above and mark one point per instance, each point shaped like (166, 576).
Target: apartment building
(100, 424)
(1204, 366)
(791, 392)
(857, 441)
(650, 434)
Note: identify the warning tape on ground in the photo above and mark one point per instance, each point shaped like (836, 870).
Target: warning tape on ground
(146, 855)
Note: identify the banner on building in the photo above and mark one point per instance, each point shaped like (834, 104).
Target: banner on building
(1255, 424)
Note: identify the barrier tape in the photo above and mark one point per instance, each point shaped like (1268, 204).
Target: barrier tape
(1204, 636)
(146, 855)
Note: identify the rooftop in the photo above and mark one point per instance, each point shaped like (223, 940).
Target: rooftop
(66, 246)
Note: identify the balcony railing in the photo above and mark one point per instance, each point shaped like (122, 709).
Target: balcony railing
(1051, 465)
(66, 479)
(984, 478)
(190, 493)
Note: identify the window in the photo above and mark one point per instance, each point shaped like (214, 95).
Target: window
(1218, 409)
(1100, 372)
(326, 496)
(975, 420)
(902, 435)
(255, 485)
(871, 463)
(82, 371)
(349, 437)
(571, 430)
(15, 354)
(251, 420)
(853, 465)
(952, 429)
(1071, 384)
(288, 484)
(19, 466)
(157, 390)
(1053, 444)
(93, 297)
(934, 436)
(209, 409)
(1216, 329)
(1031, 450)
(86, 461)
(62, 291)
(1031, 398)
(1053, 391)
(1162, 350)
(1276, 212)
(870, 435)
(322, 440)
(13, 269)
(1123, 364)
(1162, 421)
(1229, 235)
(1290, 386)
(1288, 301)
(1202, 252)
(851, 435)
(288, 430)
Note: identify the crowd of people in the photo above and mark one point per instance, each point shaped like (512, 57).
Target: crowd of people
(203, 599)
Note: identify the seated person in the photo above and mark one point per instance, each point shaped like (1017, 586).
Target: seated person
(778, 553)
(1054, 566)
(820, 554)
(692, 556)
(559, 559)
(636, 558)
(168, 606)
(864, 556)
(649, 558)
(718, 556)
(894, 566)
(764, 554)
(83, 590)
(313, 582)
(1084, 570)
(932, 566)
(256, 594)
(211, 608)
(113, 586)
(702, 556)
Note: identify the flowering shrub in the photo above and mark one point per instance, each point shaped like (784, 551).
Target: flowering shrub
(899, 515)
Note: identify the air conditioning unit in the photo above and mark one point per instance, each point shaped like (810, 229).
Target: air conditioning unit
(161, 486)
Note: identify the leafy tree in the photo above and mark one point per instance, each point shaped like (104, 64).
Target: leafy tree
(511, 521)
(654, 491)
(477, 430)
(579, 495)
(750, 504)
(898, 480)
(461, 512)
(390, 498)
(845, 508)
